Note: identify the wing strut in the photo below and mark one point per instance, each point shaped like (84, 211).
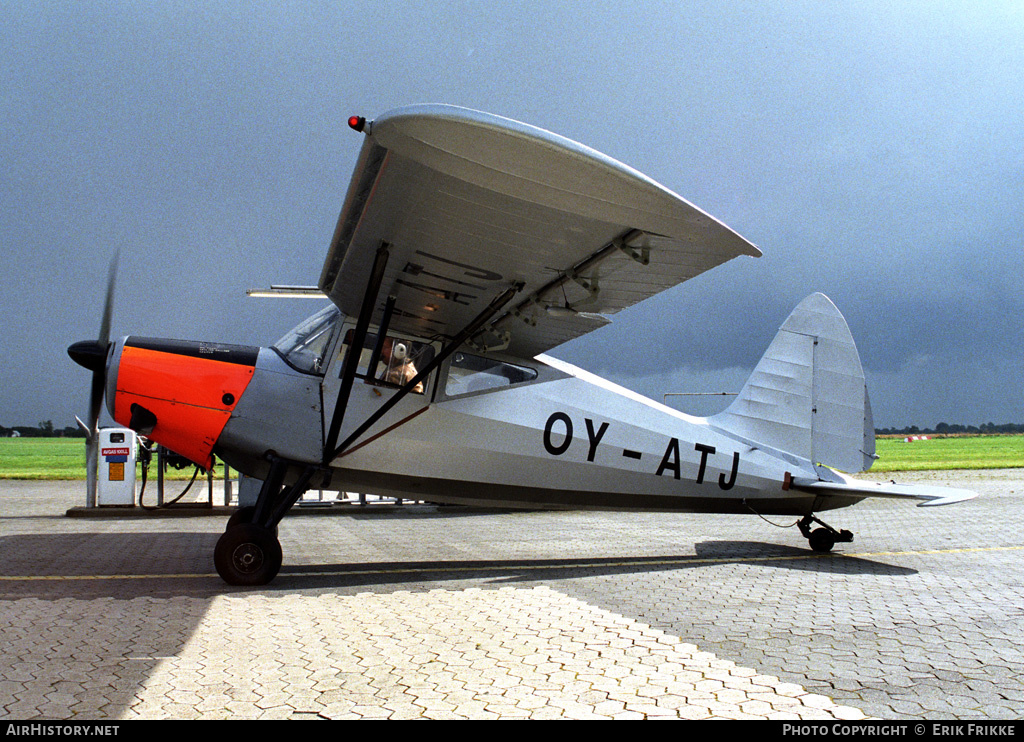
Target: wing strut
(469, 331)
(348, 370)
(382, 333)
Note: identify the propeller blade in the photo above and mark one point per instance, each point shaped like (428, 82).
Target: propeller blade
(108, 306)
(99, 381)
(92, 354)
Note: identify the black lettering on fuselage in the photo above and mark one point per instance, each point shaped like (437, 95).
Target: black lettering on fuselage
(704, 451)
(550, 447)
(671, 459)
(732, 477)
(595, 438)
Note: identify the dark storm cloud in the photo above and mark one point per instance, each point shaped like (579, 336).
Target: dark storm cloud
(870, 149)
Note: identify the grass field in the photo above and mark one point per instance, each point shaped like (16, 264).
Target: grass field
(53, 458)
(966, 452)
(64, 458)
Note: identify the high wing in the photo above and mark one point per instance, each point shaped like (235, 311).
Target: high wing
(470, 204)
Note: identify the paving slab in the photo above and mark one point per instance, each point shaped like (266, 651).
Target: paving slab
(426, 612)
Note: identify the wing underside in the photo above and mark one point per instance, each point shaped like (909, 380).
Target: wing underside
(469, 204)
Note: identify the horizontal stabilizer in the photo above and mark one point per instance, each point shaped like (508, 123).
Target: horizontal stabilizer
(930, 494)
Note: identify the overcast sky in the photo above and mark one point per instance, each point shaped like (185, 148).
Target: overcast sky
(872, 150)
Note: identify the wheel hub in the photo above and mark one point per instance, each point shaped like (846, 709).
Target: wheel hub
(247, 558)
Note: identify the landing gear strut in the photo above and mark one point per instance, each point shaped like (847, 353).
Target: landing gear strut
(824, 538)
(249, 553)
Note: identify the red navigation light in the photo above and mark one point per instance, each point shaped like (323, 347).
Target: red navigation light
(357, 122)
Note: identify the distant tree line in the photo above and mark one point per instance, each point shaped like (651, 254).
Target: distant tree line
(953, 429)
(44, 429)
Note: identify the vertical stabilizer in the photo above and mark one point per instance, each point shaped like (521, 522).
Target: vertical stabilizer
(807, 395)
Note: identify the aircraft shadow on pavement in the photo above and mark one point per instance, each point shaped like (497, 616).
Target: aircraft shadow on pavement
(108, 562)
(104, 563)
(709, 553)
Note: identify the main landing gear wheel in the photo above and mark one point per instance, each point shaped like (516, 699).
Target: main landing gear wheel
(243, 515)
(247, 555)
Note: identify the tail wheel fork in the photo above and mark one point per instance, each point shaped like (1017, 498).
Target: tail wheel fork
(822, 539)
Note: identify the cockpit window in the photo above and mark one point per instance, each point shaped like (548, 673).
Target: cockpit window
(400, 360)
(470, 373)
(305, 346)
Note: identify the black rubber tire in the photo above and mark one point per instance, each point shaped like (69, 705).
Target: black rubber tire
(247, 555)
(242, 515)
(821, 539)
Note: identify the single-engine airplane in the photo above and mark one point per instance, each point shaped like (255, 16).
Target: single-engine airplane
(468, 245)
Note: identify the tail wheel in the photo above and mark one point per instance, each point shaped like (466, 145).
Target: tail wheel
(822, 539)
(247, 555)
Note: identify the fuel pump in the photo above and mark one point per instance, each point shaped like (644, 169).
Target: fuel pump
(115, 482)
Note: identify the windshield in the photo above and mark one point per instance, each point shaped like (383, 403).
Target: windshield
(305, 346)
